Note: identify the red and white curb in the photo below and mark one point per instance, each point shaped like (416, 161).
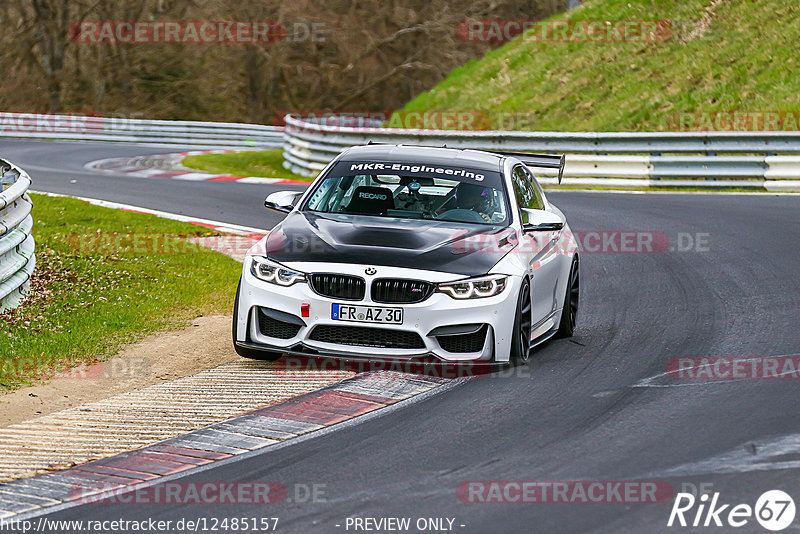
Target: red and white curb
(270, 426)
(130, 167)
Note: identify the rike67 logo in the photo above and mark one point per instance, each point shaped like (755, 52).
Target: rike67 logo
(774, 510)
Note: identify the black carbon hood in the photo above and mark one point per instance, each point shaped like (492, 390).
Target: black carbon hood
(465, 249)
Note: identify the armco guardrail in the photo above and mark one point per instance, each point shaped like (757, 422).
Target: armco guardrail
(153, 132)
(751, 159)
(17, 258)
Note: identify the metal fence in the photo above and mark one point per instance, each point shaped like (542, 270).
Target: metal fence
(723, 159)
(17, 258)
(151, 132)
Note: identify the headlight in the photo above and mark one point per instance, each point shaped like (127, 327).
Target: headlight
(265, 270)
(475, 288)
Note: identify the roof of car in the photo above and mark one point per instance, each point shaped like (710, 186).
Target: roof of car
(472, 159)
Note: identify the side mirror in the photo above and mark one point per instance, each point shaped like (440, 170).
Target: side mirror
(282, 201)
(540, 221)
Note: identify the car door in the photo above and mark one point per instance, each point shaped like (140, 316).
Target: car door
(539, 250)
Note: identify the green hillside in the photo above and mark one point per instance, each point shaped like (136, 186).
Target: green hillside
(720, 56)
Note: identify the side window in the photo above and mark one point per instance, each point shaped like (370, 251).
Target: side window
(322, 196)
(526, 190)
(538, 198)
(522, 188)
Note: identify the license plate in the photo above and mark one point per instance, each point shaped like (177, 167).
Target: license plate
(366, 314)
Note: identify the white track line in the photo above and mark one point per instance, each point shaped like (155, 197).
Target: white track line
(234, 228)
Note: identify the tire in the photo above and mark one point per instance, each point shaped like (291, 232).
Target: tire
(246, 352)
(569, 315)
(521, 334)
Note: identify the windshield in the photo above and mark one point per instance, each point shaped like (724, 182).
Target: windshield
(412, 191)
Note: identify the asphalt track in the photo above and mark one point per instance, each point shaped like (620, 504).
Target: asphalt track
(585, 409)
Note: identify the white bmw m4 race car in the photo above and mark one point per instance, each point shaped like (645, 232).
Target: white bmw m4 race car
(401, 252)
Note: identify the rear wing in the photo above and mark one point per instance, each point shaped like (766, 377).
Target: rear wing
(538, 160)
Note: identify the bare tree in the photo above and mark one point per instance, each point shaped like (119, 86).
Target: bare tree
(336, 55)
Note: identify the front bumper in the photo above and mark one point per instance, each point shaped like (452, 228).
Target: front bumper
(428, 319)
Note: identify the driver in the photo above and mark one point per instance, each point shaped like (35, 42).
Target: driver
(474, 198)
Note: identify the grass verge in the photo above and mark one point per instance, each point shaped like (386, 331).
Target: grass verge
(106, 278)
(720, 57)
(262, 163)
